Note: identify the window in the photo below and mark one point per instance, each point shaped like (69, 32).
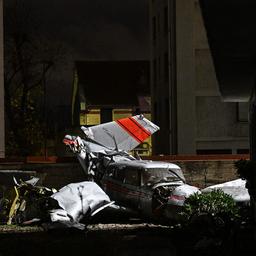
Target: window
(121, 113)
(213, 151)
(242, 111)
(132, 177)
(243, 151)
(119, 175)
(90, 117)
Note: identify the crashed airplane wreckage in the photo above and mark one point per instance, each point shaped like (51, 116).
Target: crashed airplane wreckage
(151, 188)
(117, 180)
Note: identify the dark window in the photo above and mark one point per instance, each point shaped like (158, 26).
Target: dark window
(213, 151)
(243, 151)
(242, 111)
(119, 175)
(132, 177)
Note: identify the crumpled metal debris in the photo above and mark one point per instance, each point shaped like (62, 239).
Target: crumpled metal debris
(30, 203)
(54, 209)
(235, 188)
(77, 201)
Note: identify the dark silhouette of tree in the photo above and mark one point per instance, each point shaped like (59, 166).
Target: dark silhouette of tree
(29, 60)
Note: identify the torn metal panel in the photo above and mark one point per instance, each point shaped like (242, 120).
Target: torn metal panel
(30, 202)
(235, 188)
(78, 200)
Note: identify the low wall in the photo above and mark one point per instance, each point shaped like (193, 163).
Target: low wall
(200, 173)
(206, 173)
(54, 175)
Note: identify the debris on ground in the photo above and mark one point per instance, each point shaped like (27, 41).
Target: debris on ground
(30, 204)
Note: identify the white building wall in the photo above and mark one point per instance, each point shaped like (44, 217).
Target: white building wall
(199, 119)
(217, 124)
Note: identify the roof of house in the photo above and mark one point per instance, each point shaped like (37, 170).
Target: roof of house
(113, 83)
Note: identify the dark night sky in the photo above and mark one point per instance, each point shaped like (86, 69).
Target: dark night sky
(87, 29)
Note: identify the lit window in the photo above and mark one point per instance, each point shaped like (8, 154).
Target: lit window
(90, 117)
(82, 106)
(121, 113)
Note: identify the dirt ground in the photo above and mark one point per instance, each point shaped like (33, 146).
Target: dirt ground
(136, 238)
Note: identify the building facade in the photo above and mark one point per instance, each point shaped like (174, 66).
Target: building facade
(2, 123)
(185, 97)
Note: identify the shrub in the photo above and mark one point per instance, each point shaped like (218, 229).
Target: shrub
(216, 204)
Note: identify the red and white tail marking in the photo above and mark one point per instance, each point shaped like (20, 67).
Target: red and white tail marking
(126, 133)
(134, 129)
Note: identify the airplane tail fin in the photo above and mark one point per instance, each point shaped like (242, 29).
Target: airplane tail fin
(124, 134)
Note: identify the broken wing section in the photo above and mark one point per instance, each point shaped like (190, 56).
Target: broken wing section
(77, 201)
(235, 188)
(123, 134)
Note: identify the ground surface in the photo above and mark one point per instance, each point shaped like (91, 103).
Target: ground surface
(137, 239)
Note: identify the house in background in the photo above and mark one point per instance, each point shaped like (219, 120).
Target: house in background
(108, 90)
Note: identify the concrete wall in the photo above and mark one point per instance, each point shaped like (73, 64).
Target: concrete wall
(51, 175)
(198, 173)
(207, 173)
(2, 124)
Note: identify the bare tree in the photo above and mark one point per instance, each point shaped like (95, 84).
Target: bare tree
(29, 60)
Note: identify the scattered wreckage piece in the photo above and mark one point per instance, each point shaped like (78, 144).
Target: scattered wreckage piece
(78, 201)
(55, 209)
(235, 188)
(30, 202)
